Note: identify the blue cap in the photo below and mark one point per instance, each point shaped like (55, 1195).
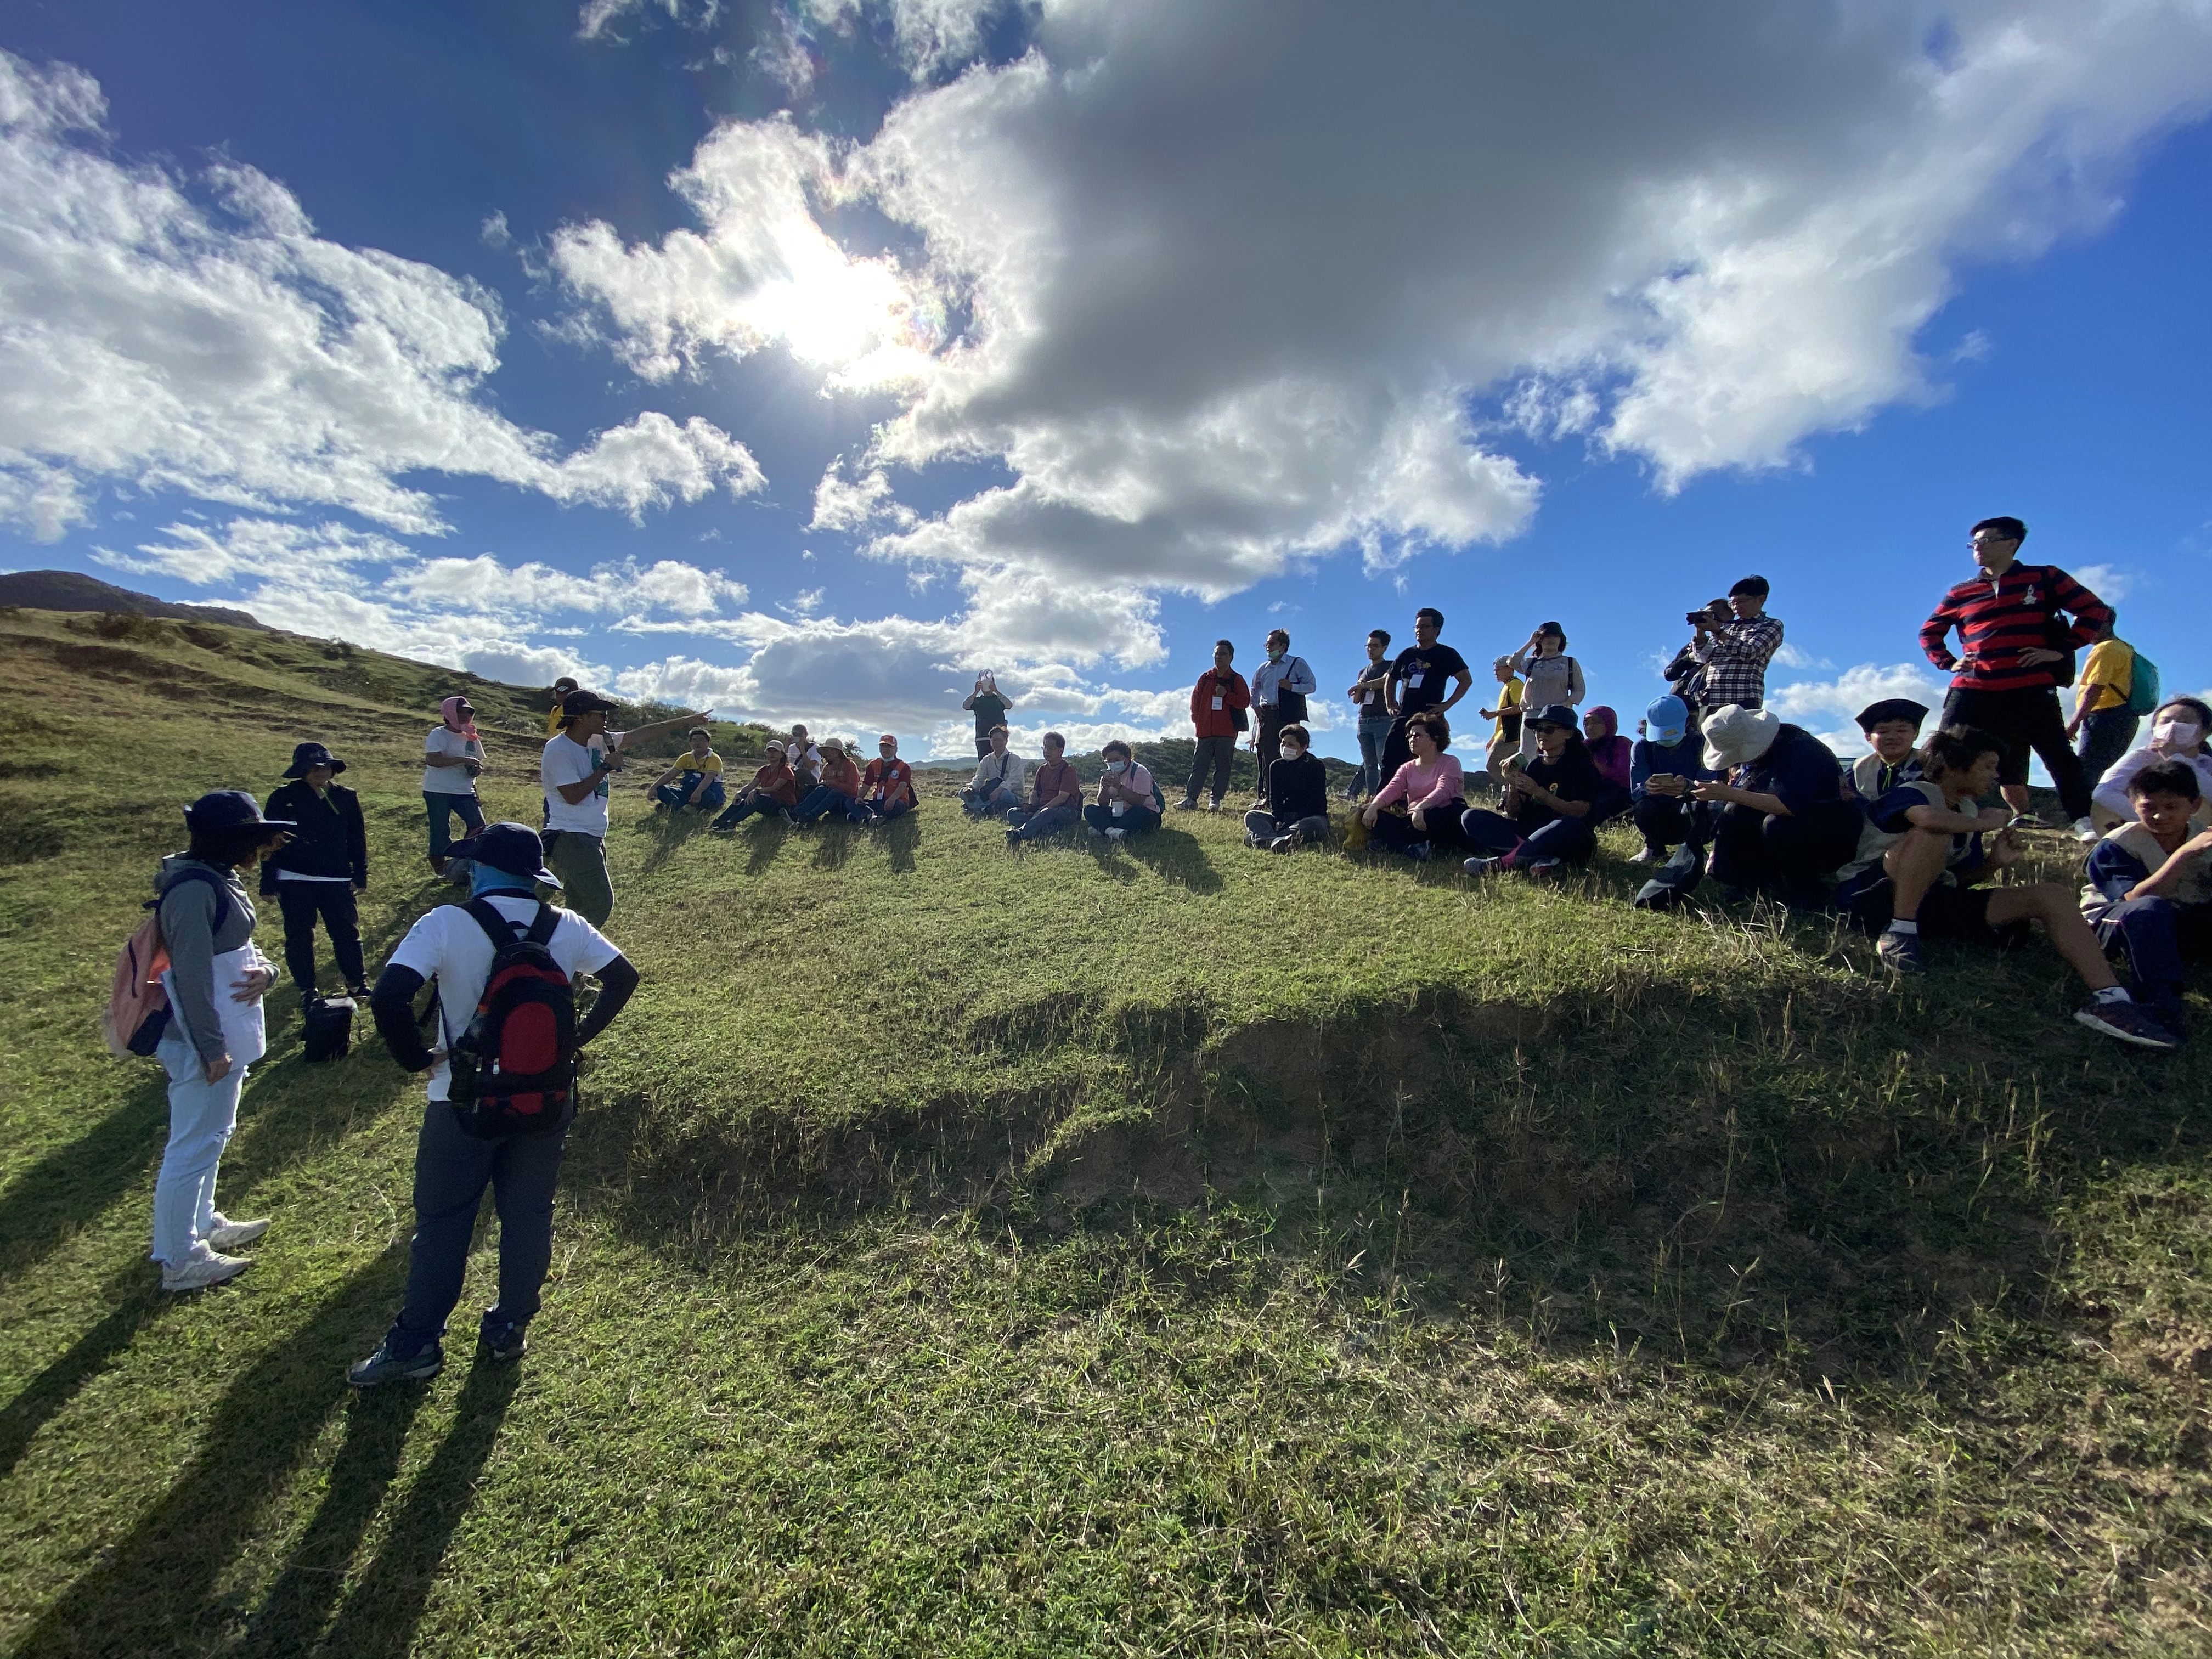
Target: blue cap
(231, 809)
(512, 849)
(1666, 720)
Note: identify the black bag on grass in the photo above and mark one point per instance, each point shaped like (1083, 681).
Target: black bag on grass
(329, 1030)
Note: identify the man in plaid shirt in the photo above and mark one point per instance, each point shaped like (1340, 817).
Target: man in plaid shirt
(1736, 656)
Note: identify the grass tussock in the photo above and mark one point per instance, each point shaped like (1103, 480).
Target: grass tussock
(1159, 1249)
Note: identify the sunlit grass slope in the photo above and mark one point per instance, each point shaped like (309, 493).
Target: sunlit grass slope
(1164, 1250)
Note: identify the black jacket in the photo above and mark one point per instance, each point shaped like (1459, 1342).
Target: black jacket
(331, 840)
(1298, 789)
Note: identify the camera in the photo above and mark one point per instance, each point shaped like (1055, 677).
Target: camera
(1699, 618)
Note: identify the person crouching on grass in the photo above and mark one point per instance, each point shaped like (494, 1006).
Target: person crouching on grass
(696, 779)
(1124, 807)
(887, 785)
(1922, 860)
(2150, 888)
(214, 983)
(773, 792)
(1550, 807)
(1297, 814)
(453, 945)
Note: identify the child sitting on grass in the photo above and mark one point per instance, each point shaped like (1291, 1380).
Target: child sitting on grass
(1892, 731)
(1919, 868)
(2150, 888)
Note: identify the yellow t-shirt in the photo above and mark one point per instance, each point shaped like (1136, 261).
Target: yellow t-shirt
(553, 719)
(1508, 699)
(2112, 669)
(688, 761)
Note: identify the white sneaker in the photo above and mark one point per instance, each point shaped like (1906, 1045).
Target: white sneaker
(2084, 831)
(1117, 834)
(231, 1235)
(202, 1270)
(1645, 855)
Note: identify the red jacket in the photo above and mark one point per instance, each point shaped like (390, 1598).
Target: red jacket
(888, 781)
(1229, 687)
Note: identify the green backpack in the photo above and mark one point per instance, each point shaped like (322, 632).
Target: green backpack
(2142, 685)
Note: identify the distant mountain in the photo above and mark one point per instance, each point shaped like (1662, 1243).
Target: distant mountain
(65, 590)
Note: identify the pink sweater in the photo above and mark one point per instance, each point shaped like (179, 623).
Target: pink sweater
(1438, 783)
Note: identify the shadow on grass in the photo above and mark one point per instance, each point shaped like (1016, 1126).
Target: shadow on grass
(835, 841)
(135, 1303)
(901, 837)
(380, 1616)
(155, 1591)
(665, 832)
(1174, 855)
(43, 1206)
(767, 837)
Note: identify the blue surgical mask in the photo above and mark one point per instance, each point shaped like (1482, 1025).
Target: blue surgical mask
(1118, 768)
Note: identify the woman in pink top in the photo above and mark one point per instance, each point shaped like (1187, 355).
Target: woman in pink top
(1431, 785)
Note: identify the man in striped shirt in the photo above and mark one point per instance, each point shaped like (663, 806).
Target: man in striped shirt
(2005, 681)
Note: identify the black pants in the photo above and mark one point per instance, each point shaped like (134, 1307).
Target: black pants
(1666, 821)
(2025, 721)
(302, 901)
(1217, 753)
(1750, 849)
(1271, 742)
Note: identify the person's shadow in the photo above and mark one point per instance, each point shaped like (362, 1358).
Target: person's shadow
(135, 1303)
(901, 836)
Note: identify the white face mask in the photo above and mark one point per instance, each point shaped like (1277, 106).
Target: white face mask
(2177, 734)
(1118, 768)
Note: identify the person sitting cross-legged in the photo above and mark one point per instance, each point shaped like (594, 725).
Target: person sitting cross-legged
(773, 792)
(1550, 805)
(887, 784)
(997, 785)
(1296, 813)
(839, 791)
(1432, 786)
(1932, 848)
(695, 780)
(1055, 797)
(1783, 824)
(1125, 803)
(2150, 888)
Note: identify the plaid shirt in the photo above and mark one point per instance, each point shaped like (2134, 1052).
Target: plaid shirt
(1735, 662)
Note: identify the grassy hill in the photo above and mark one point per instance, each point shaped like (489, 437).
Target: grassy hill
(1160, 1249)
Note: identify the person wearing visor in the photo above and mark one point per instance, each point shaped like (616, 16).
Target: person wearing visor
(314, 875)
(214, 983)
(2178, 728)
(1550, 808)
(1783, 824)
(887, 784)
(452, 760)
(1125, 805)
(452, 1168)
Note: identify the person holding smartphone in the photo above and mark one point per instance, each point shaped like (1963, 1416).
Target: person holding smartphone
(1666, 763)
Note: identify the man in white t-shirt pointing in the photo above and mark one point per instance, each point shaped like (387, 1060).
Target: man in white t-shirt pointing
(452, 1167)
(575, 766)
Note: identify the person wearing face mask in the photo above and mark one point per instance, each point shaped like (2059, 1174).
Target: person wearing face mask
(989, 706)
(1550, 805)
(2178, 728)
(1127, 802)
(1665, 764)
(2013, 624)
(887, 784)
(2149, 895)
(1280, 687)
(452, 760)
(1298, 791)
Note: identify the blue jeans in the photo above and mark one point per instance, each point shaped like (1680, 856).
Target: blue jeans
(2159, 936)
(202, 1115)
(1374, 732)
(822, 799)
(1137, 820)
(1035, 826)
(2105, 736)
(442, 825)
(878, 811)
(677, 795)
(452, 1170)
(762, 803)
(1571, 840)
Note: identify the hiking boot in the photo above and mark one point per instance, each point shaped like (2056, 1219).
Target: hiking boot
(2129, 1022)
(232, 1235)
(1899, 952)
(386, 1366)
(504, 1341)
(201, 1272)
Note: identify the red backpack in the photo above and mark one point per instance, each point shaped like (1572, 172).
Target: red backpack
(514, 1069)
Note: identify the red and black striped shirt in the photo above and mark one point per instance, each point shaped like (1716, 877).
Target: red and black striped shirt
(1998, 620)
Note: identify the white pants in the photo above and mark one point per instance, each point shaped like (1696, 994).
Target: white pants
(202, 1115)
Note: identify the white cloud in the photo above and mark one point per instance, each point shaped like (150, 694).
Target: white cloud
(596, 19)
(2108, 582)
(192, 332)
(1829, 708)
(1218, 309)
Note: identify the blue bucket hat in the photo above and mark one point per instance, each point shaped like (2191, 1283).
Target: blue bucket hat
(1666, 721)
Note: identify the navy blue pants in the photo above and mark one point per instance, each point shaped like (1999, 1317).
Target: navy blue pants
(822, 801)
(2159, 939)
(1570, 840)
(452, 1170)
(1137, 820)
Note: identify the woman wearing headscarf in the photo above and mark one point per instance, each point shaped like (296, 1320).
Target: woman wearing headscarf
(214, 983)
(452, 758)
(989, 705)
(1608, 751)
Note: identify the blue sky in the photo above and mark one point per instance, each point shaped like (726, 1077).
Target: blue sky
(798, 359)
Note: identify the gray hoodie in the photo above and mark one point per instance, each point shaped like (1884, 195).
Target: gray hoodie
(188, 930)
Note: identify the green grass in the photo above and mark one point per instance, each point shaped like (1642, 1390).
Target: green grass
(1171, 1249)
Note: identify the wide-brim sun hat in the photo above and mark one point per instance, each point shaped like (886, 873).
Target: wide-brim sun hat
(513, 849)
(231, 809)
(307, 755)
(1735, 734)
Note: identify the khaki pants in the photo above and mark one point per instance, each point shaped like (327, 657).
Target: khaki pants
(580, 861)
